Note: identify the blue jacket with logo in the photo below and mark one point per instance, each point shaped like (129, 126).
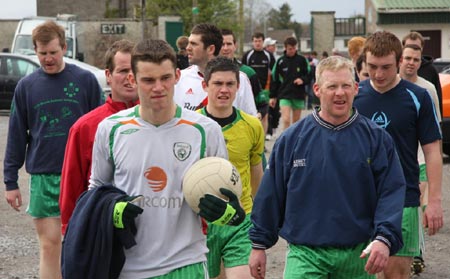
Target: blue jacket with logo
(44, 108)
(330, 186)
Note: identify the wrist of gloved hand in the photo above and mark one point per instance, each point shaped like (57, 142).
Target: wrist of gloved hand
(124, 214)
(221, 212)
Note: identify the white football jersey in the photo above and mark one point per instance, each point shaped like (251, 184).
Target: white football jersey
(143, 159)
(190, 95)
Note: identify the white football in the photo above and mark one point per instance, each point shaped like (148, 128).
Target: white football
(207, 176)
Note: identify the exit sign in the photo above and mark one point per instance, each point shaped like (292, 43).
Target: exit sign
(112, 28)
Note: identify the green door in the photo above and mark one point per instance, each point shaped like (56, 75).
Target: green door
(173, 31)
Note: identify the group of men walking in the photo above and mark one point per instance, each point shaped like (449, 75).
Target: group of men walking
(341, 185)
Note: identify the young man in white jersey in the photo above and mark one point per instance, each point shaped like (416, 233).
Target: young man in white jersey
(244, 137)
(145, 151)
(205, 43)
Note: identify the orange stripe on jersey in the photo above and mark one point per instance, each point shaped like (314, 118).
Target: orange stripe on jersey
(183, 121)
(131, 121)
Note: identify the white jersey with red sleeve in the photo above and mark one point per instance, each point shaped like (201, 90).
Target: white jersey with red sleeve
(189, 92)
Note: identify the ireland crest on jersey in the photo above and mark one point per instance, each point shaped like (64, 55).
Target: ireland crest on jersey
(181, 150)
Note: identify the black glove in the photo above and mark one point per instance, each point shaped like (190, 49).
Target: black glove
(220, 212)
(124, 214)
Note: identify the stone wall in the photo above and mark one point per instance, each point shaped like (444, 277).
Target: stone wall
(84, 9)
(7, 30)
(323, 31)
(94, 44)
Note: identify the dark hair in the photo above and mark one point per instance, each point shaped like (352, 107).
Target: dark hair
(383, 43)
(314, 52)
(414, 47)
(258, 35)
(48, 31)
(123, 45)
(182, 43)
(210, 35)
(414, 36)
(153, 51)
(228, 32)
(359, 62)
(220, 64)
(290, 41)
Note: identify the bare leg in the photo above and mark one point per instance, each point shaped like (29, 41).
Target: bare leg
(238, 272)
(49, 233)
(265, 123)
(397, 268)
(296, 114)
(286, 116)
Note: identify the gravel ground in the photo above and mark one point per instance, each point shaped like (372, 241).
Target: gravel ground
(19, 253)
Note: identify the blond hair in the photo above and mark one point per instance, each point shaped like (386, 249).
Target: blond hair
(334, 63)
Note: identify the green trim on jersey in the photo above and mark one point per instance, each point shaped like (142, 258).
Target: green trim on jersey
(199, 128)
(203, 143)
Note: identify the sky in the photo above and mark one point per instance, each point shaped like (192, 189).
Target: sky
(17, 9)
(302, 8)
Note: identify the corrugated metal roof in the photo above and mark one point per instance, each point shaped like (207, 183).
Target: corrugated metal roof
(408, 5)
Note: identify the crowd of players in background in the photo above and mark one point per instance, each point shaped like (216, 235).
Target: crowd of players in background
(53, 129)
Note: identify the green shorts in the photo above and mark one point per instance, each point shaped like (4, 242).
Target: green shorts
(229, 244)
(44, 195)
(293, 103)
(325, 262)
(423, 173)
(411, 231)
(193, 271)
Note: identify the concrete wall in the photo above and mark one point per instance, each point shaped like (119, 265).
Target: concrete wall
(323, 31)
(94, 44)
(371, 17)
(84, 9)
(7, 29)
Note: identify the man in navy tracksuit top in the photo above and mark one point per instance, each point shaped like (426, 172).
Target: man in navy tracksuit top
(334, 189)
(407, 113)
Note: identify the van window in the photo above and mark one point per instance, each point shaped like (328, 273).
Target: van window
(24, 45)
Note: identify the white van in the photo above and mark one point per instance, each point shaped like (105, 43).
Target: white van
(23, 44)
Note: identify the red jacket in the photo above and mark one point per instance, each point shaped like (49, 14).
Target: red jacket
(78, 156)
